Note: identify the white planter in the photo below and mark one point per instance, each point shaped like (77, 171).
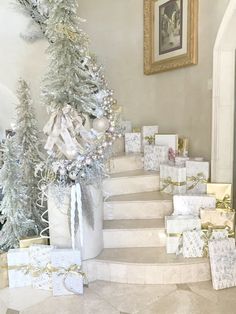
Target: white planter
(59, 204)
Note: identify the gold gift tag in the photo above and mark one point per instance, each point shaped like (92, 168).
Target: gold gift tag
(27, 242)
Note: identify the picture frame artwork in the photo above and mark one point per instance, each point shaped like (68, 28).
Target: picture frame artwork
(170, 34)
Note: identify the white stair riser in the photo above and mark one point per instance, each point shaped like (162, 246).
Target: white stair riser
(125, 163)
(134, 238)
(147, 274)
(130, 185)
(137, 210)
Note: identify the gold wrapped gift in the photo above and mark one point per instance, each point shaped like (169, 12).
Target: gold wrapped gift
(218, 218)
(223, 193)
(27, 242)
(3, 271)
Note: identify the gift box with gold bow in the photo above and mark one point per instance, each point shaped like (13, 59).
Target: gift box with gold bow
(223, 193)
(3, 271)
(154, 155)
(172, 179)
(148, 134)
(197, 176)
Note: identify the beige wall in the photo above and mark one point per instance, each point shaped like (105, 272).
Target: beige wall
(179, 101)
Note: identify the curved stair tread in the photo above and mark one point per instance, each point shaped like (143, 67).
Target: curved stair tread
(125, 224)
(141, 197)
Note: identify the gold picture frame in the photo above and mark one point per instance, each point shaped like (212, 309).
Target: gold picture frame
(170, 34)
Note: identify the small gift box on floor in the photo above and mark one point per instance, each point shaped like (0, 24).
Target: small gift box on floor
(223, 263)
(175, 226)
(154, 155)
(197, 176)
(40, 257)
(170, 140)
(218, 218)
(3, 271)
(133, 142)
(126, 126)
(27, 242)
(67, 276)
(172, 179)
(148, 134)
(19, 268)
(191, 204)
(223, 193)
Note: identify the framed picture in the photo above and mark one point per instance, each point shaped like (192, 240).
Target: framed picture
(170, 34)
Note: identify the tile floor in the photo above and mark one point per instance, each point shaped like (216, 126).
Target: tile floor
(114, 298)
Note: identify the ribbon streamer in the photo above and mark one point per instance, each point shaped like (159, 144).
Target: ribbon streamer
(168, 181)
(76, 210)
(195, 180)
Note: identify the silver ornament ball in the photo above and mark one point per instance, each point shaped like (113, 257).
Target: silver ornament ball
(100, 125)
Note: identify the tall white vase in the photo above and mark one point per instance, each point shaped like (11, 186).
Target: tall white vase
(59, 204)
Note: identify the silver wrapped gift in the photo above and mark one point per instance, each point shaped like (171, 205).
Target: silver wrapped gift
(132, 142)
(148, 134)
(172, 179)
(197, 176)
(193, 243)
(154, 155)
(170, 140)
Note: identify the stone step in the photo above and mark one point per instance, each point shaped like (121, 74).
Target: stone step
(146, 266)
(134, 233)
(125, 162)
(147, 205)
(131, 182)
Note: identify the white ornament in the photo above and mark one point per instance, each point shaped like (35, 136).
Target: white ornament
(101, 125)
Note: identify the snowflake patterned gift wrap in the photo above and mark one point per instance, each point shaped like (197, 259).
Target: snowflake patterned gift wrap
(223, 263)
(191, 204)
(154, 155)
(175, 226)
(67, 278)
(193, 243)
(170, 140)
(133, 142)
(149, 133)
(172, 179)
(40, 257)
(197, 176)
(18, 268)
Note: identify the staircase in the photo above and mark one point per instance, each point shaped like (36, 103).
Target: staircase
(134, 231)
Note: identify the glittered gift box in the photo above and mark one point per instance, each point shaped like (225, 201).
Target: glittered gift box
(223, 263)
(193, 243)
(18, 268)
(217, 218)
(154, 155)
(191, 204)
(3, 271)
(223, 193)
(40, 257)
(133, 142)
(197, 176)
(172, 179)
(170, 140)
(67, 277)
(27, 242)
(175, 226)
(148, 134)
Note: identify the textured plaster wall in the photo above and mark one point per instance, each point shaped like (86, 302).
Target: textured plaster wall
(179, 101)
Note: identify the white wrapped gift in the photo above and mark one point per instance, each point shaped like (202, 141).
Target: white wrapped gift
(133, 142)
(66, 279)
(191, 204)
(193, 243)
(126, 126)
(181, 161)
(197, 176)
(175, 226)
(172, 179)
(40, 257)
(148, 134)
(223, 263)
(170, 140)
(18, 268)
(154, 155)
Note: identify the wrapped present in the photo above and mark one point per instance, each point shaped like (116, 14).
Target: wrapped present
(148, 134)
(133, 142)
(136, 130)
(40, 257)
(183, 146)
(154, 155)
(172, 179)
(217, 218)
(27, 242)
(181, 161)
(67, 277)
(191, 204)
(3, 271)
(223, 193)
(223, 263)
(175, 226)
(197, 176)
(18, 268)
(170, 140)
(193, 243)
(126, 126)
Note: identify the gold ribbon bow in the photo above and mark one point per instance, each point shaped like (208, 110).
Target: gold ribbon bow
(225, 203)
(63, 29)
(150, 139)
(199, 178)
(168, 181)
